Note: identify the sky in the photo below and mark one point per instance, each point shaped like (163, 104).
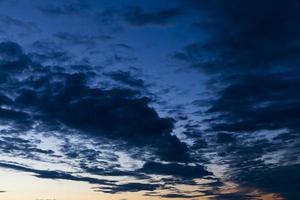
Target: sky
(149, 99)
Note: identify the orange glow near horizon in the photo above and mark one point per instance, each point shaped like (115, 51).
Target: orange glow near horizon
(20, 185)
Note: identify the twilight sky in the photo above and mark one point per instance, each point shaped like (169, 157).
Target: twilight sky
(149, 99)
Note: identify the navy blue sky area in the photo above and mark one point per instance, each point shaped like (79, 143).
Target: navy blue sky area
(169, 95)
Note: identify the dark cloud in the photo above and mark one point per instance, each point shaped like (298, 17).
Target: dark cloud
(253, 50)
(235, 196)
(57, 56)
(10, 50)
(55, 96)
(55, 174)
(249, 51)
(108, 186)
(115, 172)
(45, 51)
(22, 147)
(96, 110)
(245, 36)
(4, 100)
(183, 171)
(259, 102)
(14, 66)
(130, 187)
(17, 116)
(116, 113)
(284, 180)
(12, 59)
(125, 77)
(225, 138)
(179, 196)
(170, 148)
(138, 17)
(251, 170)
(172, 195)
(251, 58)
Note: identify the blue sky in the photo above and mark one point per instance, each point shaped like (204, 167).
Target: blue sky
(178, 99)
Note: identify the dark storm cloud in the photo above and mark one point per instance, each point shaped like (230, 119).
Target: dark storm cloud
(75, 7)
(138, 17)
(125, 77)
